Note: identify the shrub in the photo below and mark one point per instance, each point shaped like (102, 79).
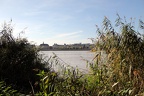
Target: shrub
(19, 62)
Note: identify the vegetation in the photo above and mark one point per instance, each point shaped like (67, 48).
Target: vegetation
(7, 90)
(117, 68)
(19, 62)
(122, 73)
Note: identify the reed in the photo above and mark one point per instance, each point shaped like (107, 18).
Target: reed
(122, 74)
(116, 70)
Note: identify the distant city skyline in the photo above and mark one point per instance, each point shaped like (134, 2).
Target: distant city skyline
(76, 46)
(64, 43)
(65, 21)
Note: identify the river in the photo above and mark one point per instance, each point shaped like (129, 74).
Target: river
(72, 58)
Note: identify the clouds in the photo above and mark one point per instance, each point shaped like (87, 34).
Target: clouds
(59, 21)
(61, 38)
(69, 34)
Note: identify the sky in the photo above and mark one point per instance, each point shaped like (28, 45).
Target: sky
(65, 21)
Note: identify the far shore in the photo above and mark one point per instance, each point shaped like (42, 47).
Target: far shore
(67, 50)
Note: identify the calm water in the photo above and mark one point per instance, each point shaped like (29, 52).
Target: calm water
(73, 58)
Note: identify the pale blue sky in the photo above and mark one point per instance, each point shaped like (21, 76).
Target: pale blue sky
(65, 21)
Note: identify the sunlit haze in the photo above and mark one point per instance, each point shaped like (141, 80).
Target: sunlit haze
(65, 21)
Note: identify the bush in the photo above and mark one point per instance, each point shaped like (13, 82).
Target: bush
(19, 62)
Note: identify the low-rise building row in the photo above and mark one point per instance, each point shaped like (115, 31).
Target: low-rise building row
(76, 46)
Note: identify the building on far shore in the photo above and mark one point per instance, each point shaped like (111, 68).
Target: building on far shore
(57, 46)
(76, 46)
(44, 47)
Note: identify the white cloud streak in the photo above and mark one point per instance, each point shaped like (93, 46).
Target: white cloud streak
(68, 34)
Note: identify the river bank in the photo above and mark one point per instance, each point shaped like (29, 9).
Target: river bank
(66, 50)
